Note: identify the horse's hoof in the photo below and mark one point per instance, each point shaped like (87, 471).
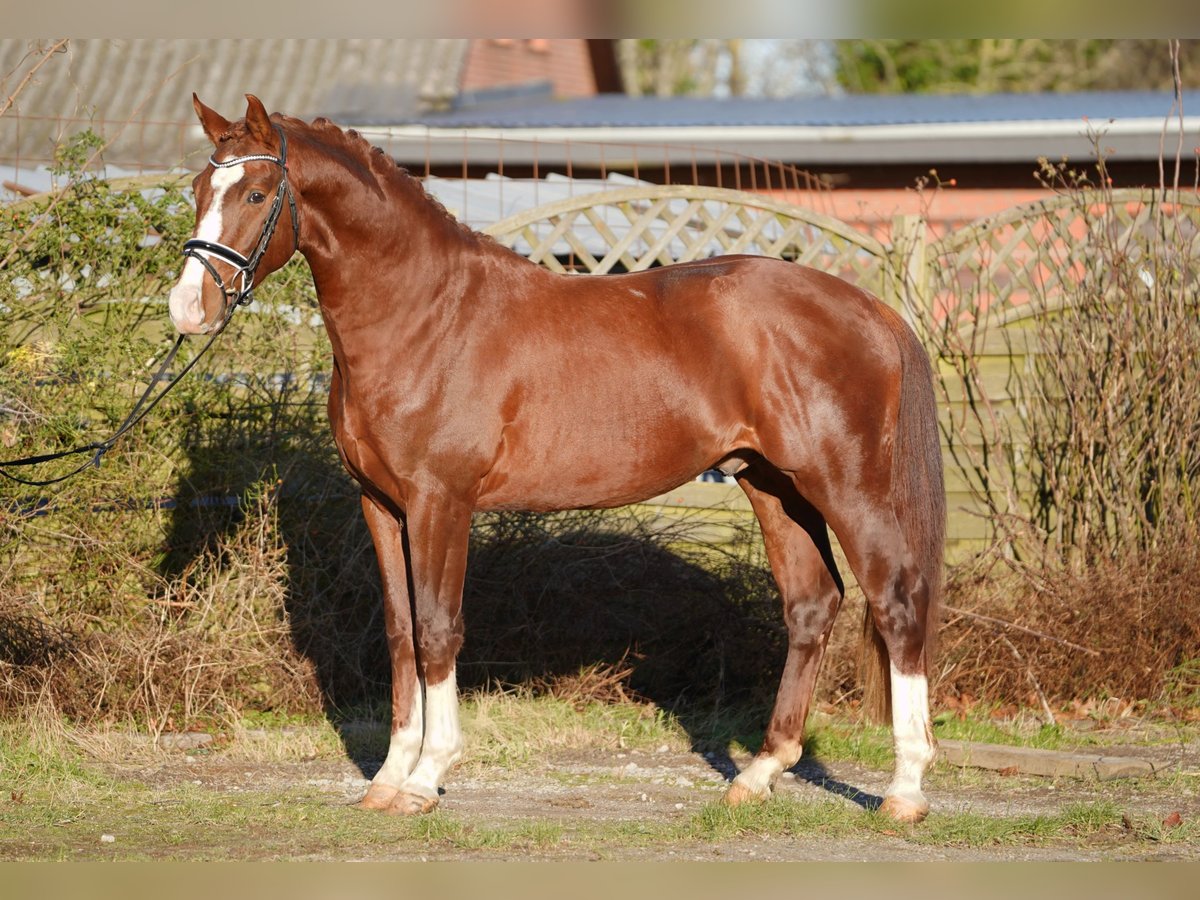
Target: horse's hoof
(378, 796)
(906, 812)
(739, 794)
(406, 804)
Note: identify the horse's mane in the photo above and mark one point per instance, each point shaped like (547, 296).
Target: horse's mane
(374, 166)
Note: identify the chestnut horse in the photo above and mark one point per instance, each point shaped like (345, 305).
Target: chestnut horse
(467, 378)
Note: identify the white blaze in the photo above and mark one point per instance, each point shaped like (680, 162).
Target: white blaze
(184, 301)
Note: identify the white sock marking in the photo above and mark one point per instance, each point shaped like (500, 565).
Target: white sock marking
(760, 776)
(404, 748)
(443, 739)
(912, 735)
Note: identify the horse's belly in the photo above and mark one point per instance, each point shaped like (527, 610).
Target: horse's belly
(591, 470)
(576, 493)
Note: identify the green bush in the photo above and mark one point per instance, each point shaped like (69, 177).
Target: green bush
(122, 556)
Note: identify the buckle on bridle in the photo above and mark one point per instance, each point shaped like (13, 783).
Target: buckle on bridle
(202, 251)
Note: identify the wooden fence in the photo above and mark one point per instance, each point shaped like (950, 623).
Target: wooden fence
(979, 291)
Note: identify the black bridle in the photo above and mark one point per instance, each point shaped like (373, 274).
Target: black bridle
(200, 250)
(245, 266)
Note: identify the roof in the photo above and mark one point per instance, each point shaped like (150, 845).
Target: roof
(138, 93)
(807, 130)
(848, 110)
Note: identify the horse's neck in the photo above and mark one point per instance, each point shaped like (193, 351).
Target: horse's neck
(355, 236)
(380, 256)
(347, 227)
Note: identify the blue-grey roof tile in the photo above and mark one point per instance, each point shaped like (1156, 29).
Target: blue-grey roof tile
(619, 111)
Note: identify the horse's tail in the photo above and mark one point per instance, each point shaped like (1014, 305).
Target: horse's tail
(919, 500)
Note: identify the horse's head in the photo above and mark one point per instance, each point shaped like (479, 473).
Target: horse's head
(241, 232)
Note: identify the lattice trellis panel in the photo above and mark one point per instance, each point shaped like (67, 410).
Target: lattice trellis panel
(632, 229)
(995, 287)
(1040, 251)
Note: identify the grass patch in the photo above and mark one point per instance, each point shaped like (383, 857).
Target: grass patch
(191, 822)
(319, 740)
(839, 741)
(1025, 729)
(518, 728)
(446, 829)
(980, 728)
(59, 795)
(277, 719)
(43, 757)
(782, 815)
(968, 829)
(57, 805)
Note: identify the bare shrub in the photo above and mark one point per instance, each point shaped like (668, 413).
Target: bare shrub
(1090, 445)
(1114, 407)
(1122, 628)
(14, 83)
(1085, 451)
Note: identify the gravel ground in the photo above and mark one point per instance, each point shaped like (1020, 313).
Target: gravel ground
(579, 790)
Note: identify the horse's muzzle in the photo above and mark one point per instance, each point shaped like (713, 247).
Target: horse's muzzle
(187, 310)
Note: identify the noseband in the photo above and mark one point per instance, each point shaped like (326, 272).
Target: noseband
(238, 291)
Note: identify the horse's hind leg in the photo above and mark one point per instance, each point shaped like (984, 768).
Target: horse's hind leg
(797, 545)
(898, 590)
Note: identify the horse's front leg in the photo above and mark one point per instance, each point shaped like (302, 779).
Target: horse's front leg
(439, 525)
(408, 725)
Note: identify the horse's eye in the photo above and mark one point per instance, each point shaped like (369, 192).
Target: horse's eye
(256, 197)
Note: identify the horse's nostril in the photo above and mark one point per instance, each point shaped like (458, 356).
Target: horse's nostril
(187, 312)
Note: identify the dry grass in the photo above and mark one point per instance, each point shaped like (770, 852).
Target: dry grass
(1125, 630)
(196, 648)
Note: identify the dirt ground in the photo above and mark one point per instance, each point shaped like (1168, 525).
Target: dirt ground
(588, 794)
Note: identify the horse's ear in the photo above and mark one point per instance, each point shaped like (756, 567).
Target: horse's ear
(213, 123)
(259, 122)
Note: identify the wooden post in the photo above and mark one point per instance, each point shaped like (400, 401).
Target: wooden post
(907, 288)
